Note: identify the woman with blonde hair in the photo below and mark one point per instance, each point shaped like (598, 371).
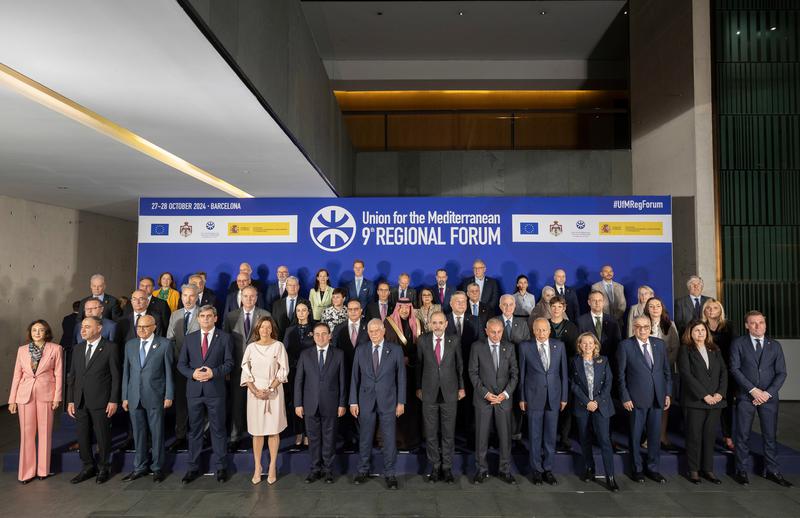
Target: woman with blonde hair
(713, 314)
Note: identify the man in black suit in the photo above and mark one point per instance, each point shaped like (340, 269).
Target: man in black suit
(442, 291)
(93, 391)
(404, 291)
(126, 326)
(283, 310)
(111, 309)
(320, 393)
(155, 306)
(68, 324)
(95, 308)
(383, 307)
(516, 331)
(205, 297)
(440, 376)
(234, 299)
(461, 325)
(690, 307)
(346, 336)
(247, 270)
(277, 290)
(478, 312)
(601, 324)
(489, 290)
(569, 295)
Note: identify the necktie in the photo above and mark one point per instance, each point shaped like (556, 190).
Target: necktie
(610, 293)
(508, 330)
(459, 328)
(474, 310)
(697, 308)
(186, 316)
(142, 354)
(441, 295)
(136, 321)
(353, 334)
(759, 349)
(647, 357)
(438, 351)
(383, 311)
(321, 359)
(402, 294)
(375, 359)
(246, 325)
(495, 357)
(204, 345)
(358, 287)
(598, 326)
(281, 287)
(291, 309)
(561, 291)
(543, 356)
(88, 353)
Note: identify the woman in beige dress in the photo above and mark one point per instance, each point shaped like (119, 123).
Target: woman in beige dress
(426, 308)
(265, 367)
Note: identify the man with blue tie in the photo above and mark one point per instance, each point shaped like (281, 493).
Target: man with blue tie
(758, 365)
(544, 385)
(205, 360)
(645, 385)
(479, 312)
(359, 288)
(147, 390)
(378, 392)
(690, 307)
(320, 400)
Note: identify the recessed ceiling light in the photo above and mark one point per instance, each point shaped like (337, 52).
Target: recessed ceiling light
(773, 28)
(542, 13)
(624, 12)
(738, 32)
(461, 13)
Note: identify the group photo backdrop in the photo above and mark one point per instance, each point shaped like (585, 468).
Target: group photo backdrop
(512, 235)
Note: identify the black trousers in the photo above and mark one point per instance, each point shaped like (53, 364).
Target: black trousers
(180, 405)
(701, 430)
(237, 398)
(89, 421)
(439, 419)
(321, 432)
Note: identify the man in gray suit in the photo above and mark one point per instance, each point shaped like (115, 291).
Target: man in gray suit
(239, 323)
(690, 307)
(147, 390)
(494, 374)
(440, 377)
(613, 293)
(516, 331)
(182, 322)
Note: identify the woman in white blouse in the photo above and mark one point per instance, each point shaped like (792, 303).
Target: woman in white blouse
(525, 301)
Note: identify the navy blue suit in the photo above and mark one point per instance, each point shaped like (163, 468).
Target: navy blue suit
(377, 396)
(208, 395)
(320, 393)
(543, 390)
(273, 294)
(648, 389)
(365, 296)
(573, 308)
(767, 372)
(449, 289)
(599, 419)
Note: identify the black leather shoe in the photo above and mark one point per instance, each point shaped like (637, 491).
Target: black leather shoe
(103, 476)
(221, 475)
(178, 446)
(669, 447)
(619, 448)
(655, 476)
(44, 477)
(24, 482)
(313, 477)
(391, 482)
(710, 477)
(361, 478)
(536, 478)
(480, 477)
(448, 477)
(611, 484)
(433, 476)
(85, 474)
(563, 447)
(190, 476)
(328, 477)
(233, 447)
(158, 476)
(508, 478)
(127, 446)
(778, 479)
(588, 475)
(694, 477)
(133, 475)
(549, 478)
(741, 478)
(637, 476)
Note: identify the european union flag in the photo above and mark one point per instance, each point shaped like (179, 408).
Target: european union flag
(159, 229)
(529, 228)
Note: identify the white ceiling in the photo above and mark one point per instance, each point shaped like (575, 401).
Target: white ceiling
(144, 65)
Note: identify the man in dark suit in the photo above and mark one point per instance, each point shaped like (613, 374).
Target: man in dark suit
(93, 387)
(569, 295)
(461, 325)
(283, 310)
(205, 297)
(515, 329)
(489, 290)
(440, 376)
(645, 384)
(442, 290)
(378, 392)
(239, 324)
(690, 307)
(759, 368)
(613, 293)
(478, 311)
(68, 324)
(494, 373)
(346, 336)
(154, 305)
(234, 299)
(544, 385)
(205, 359)
(277, 290)
(147, 391)
(383, 307)
(320, 393)
(404, 291)
(95, 308)
(246, 269)
(126, 326)
(596, 321)
(360, 288)
(111, 309)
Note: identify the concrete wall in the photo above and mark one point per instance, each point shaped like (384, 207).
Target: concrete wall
(493, 173)
(271, 43)
(47, 255)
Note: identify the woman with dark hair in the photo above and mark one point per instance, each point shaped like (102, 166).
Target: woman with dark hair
(722, 334)
(524, 300)
(337, 312)
(298, 338)
(426, 308)
(167, 292)
(705, 379)
(664, 328)
(35, 393)
(321, 295)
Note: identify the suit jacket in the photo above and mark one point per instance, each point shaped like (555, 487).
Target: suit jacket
(374, 310)
(95, 385)
(126, 330)
(111, 309)
(486, 379)
(282, 318)
(411, 294)
(341, 340)
(232, 303)
(109, 331)
(767, 374)
(637, 382)
(479, 322)
(569, 335)
(601, 387)
(490, 295)
(449, 289)
(295, 342)
(543, 389)
(233, 324)
(175, 331)
(469, 334)
(383, 390)
(46, 384)
(219, 360)
(209, 298)
(365, 296)
(273, 294)
(324, 391)
(233, 287)
(573, 307)
(684, 311)
(152, 383)
(68, 325)
(158, 309)
(610, 335)
(446, 377)
(616, 310)
(699, 381)
(520, 331)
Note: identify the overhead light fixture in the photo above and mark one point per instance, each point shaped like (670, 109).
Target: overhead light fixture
(542, 13)
(738, 32)
(625, 12)
(48, 98)
(461, 13)
(773, 28)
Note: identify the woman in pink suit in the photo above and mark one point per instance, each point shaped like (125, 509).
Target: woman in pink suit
(35, 394)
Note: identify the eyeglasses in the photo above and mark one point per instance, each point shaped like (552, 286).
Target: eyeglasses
(145, 326)
(641, 327)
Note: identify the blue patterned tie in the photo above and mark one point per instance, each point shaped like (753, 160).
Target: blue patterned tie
(142, 354)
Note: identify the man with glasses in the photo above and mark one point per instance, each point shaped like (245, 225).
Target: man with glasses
(489, 290)
(139, 308)
(383, 307)
(346, 337)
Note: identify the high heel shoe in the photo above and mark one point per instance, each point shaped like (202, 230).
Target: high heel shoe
(257, 478)
(271, 479)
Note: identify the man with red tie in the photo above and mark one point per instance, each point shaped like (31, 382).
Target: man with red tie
(443, 290)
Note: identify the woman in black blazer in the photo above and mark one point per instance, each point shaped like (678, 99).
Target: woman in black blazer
(297, 339)
(590, 383)
(704, 381)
